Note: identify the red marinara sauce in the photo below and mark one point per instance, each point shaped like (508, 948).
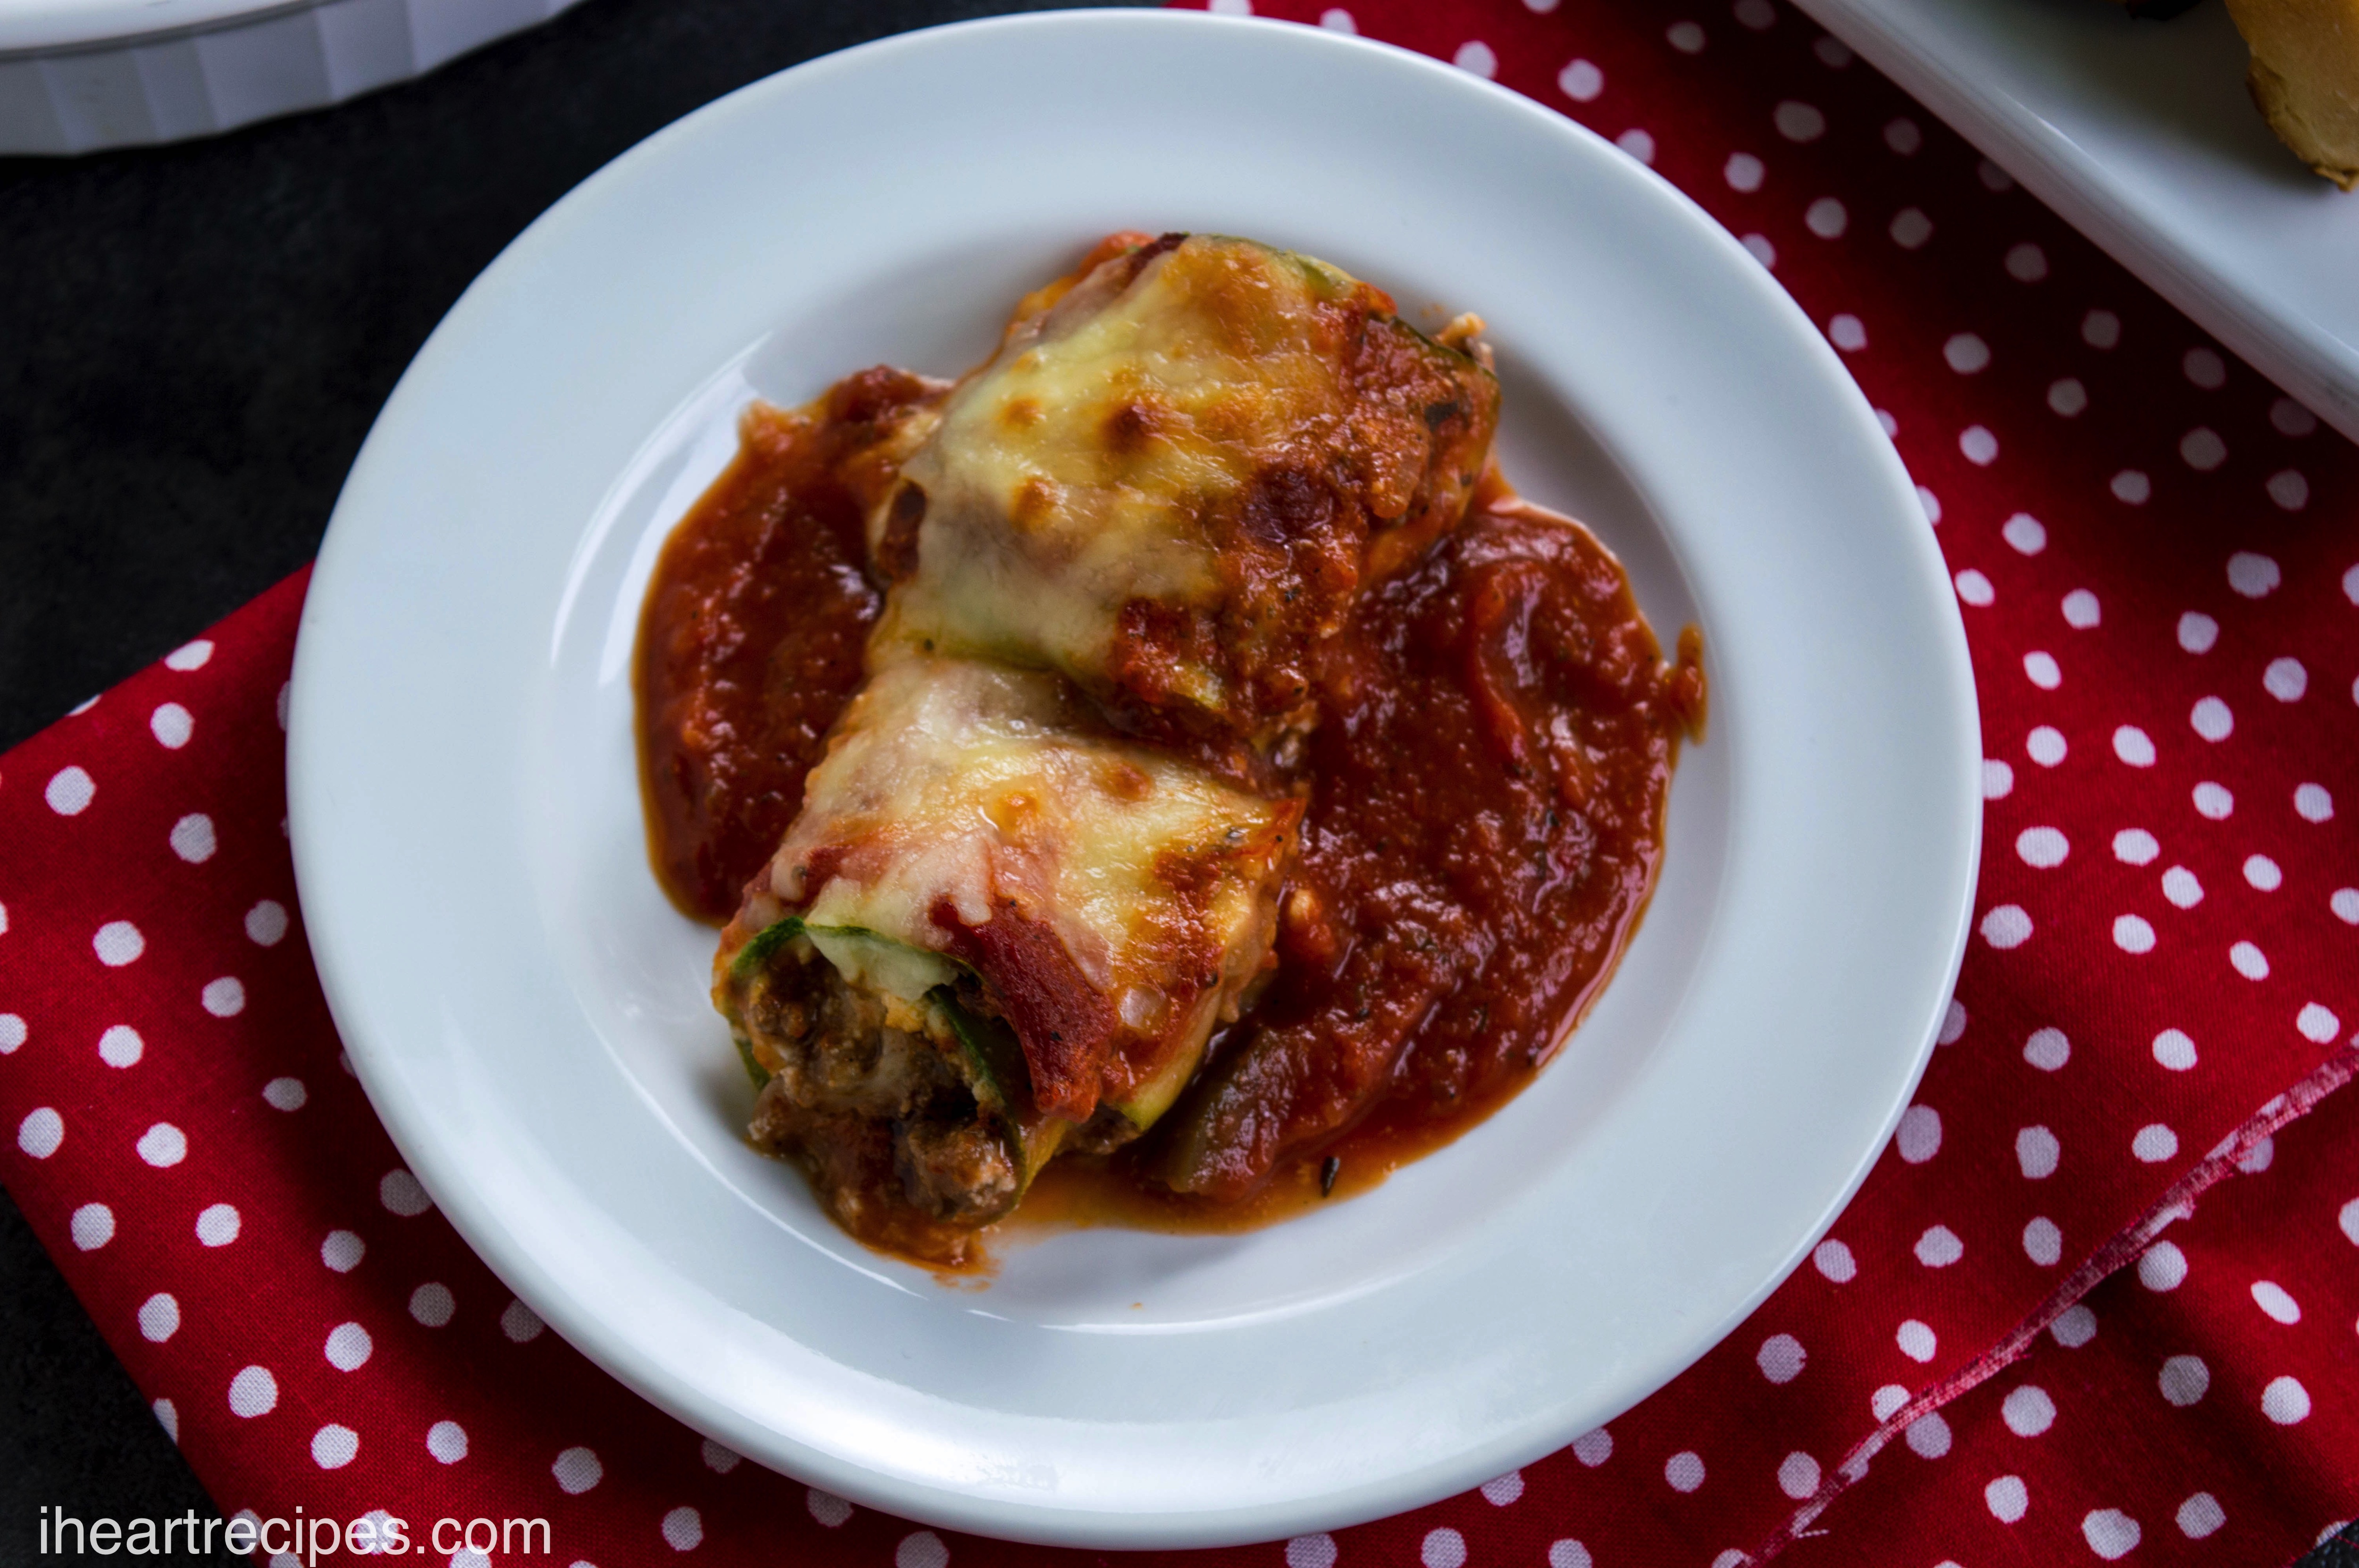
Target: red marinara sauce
(751, 635)
(1496, 737)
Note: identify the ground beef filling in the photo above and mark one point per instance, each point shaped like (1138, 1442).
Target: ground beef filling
(875, 1095)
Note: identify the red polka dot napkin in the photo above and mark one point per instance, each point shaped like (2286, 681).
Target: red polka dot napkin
(2099, 1299)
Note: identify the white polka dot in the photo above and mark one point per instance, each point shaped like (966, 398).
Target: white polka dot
(160, 1318)
(1798, 122)
(1920, 1137)
(521, 1322)
(121, 1046)
(192, 838)
(1847, 332)
(1998, 779)
(2047, 1049)
(2249, 961)
(2027, 534)
(2179, 886)
(1757, 14)
(2256, 1159)
(163, 1145)
(432, 1304)
(1833, 52)
(2136, 846)
(1980, 447)
(2132, 934)
(2006, 926)
(1916, 1340)
(2042, 671)
(1968, 354)
(1477, 58)
(218, 1224)
(1953, 1023)
(447, 1441)
(1684, 1470)
(2274, 1301)
(2081, 609)
(285, 1094)
(1760, 248)
(1929, 1436)
(2101, 330)
(2110, 1533)
(2162, 1267)
(2205, 369)
(2252, 575)
(1336, 19)
(2262, 873)
(224, 998)
(1939, 1247)
(1903, 136)
(92, 1227)
(2043, 1242)
(1780, 1358)
(348, 1346)
(171, 725)
(1743, 171)
(1833, 1260)
(2198, 631)
(189, 657)
(1798, 1476)
(1910, 228)
(69, 791)
(2046, 744)
(253, 1392)
(1442, 1547)
(400, 1192)
(1826, 218)
(1581, 81)
(1886, 1400)
(1230, 7)
(832, 1511)
(2174, 1050)
(266, 923)
(577, 1470)
(40, 1132)
(922, 1550)
(342, 1252)
(2184, 1379)
(2074, 1326)
(1503, 1489)
(2317, 1024)
(2312, 804)
(2202, 450)
(2036, 1150)
(2213, 801)
(2007, 1499)
(2291, 419)
(1638, 144)
(2134, 746)
(1593, 1447)
(2068, 397)
(2212, 719)
(2289, 489)
(2344, 902)
(2155, 1143)
(2132, 487)
(2201, 1515)
(2285, 1401)
(1974, 588)
(1686, 37)
(1993, 177)
(118, 943)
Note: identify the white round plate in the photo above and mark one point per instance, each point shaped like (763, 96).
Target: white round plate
(529, 1016)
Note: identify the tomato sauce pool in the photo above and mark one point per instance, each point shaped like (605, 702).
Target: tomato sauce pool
(1487, 781)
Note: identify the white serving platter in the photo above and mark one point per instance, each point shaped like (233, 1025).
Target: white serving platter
(2141, 134)
(528, 1014)
(80, 75)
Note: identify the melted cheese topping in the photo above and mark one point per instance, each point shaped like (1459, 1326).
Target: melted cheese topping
(1076, 472)
(953, 780)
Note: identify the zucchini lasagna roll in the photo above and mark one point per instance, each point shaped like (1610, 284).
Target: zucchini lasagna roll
(995, 931)
(1174, 479)
(1038, 865)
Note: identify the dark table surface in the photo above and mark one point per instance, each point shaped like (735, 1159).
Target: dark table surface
(193, 340)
